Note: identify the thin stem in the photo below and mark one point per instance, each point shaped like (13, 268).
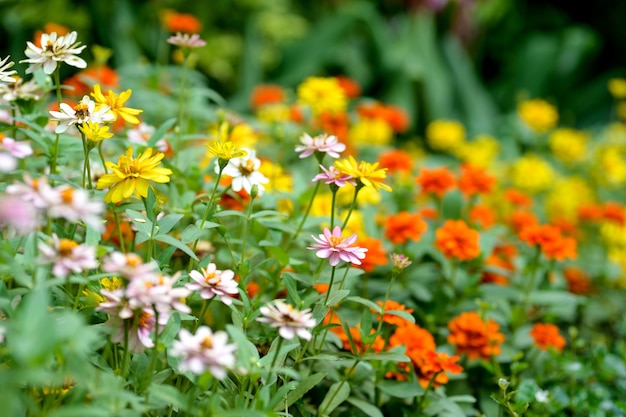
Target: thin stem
(203, 310)
(119, 231)
(55, 150)
(353, 205)
(155, 350)
(332, 208)
(245, 231)
(104, 165)
(387, 293)
(87, 166)
(306, 215)
(330, 285)
(181, 108)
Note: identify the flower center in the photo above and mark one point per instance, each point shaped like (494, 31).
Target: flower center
(335, 240)
(247, 168)
(133, 260)
(81, 111)
(66, 246)
(207, 343)
(143, 319)
(67, 195)
(49, 47)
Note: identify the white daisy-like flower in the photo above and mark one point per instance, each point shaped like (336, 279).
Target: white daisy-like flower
(245, 172)
(54, 49)
(212, 282)
(5, 74)
(289, 321)
(84, 111)
(185, 40)
(68, 256)
(73, 204)
(204, 351)
(20, 90)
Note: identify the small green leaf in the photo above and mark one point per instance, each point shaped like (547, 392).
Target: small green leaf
(369, 409)
(160, 132)
(168, 222)
(338, 393)
(400, 389)
(177, 243)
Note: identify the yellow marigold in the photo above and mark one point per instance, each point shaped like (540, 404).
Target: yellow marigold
(568, 145)
(94, 132)
(132, 176)
(366, 196)
(322, 94)
(356, 222)
(445, 135)
(614, 235)
(366, 173)
(479, 152)
(566, 197)
(541, 178)
(280, 180)
(274, 113)
(617, 87)
(116, 104)
(538, 114)
(610, 166)
(370, 131)
(244, 136)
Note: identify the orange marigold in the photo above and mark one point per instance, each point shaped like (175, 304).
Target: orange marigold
(483, 216)
(376, 254)
(83, 81)
(474, 337)
(429, 364)
(335, 124)
(499, 265)
(590, 213)
(456, 240)
(519, 220)
(350, 87)
(551, 241)
(546, 336)
(392, 318)
(49, 28)
(578, 281)
(180, 22)
(518, 198)
(475, 180)
(413, 337)
(396, 160)
(401, 227)
(437, 181)
(266, 94)
(614, 212)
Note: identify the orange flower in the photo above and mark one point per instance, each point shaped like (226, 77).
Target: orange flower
(429, 364)
(614, 212)
(180, 22)
(546, 336)
(577, 280)
(83, 81)
(518, 198)
(413, 337)
(456, 240)
(391, 318)
(252, 289)
(473, 337)
(350, 87)
(394, 116)
(550, 239)
(437, 181)
(403, 226)
(321, 288)
(482, 216)
(590, 212)
(428, 213)
(474, 180)
(396, 161)
(376, 255)
(266, 94)
(335, 124)
(522, 219)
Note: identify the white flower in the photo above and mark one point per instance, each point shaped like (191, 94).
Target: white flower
(129, 265)
(542, 396)
(212, 282)
(204, 350)
(157, 290)
(10, 151)
(83, 112)
(289, 321)
(5, 75)
(74, 205)
(33, 191)
(186, 40)
(54, 49)
(68, 256)
(245, 172)
(20, 90)
(328, 144)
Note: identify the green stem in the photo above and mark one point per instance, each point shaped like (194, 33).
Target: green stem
(245, 231)
(332, 207)
(431, 382)
(126, 357)
(119, 231)
(87, 166)
(203, 310)
(55, 150)
(151, 247)
(306, 215)
(155, 351)
(353, 205)
(330, 285)
(104, 165)
(387, 293)
(181, 109)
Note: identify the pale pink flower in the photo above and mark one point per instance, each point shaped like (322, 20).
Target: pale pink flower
(17, 214)
(328, 144)
(212, 282)
(19, 150)
(68, 256)
(54, 49)
(73, 204)
(334, 247)
(185, 40)
(128, 265)
(245, 172)
(142, 133)
(158, 291)
(289, 321)
(333, 176)
(204, 351)
(32, 191)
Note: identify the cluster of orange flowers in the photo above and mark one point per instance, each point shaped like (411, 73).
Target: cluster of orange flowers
(475, 337)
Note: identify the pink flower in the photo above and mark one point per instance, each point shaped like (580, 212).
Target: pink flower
(129, 265)
(328, 144)
(333, 176)
(204, 350)
(184, 40)
(212, 282)
(289, 321)
(17, 214)
(335, 247)
(158, 291)
(68, 256)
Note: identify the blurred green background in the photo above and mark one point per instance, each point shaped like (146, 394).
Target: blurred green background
(470, 60)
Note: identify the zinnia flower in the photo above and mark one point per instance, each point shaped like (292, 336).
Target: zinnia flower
(204, 351)
(132, 176)
(475, 337)
(456, 240)
(84, 111)
(212, 282)
(289, 321)
(404, 226)
(328, 144)
(94, 132)
(475, 180)
(245, 172)
(551, 241)
(115, 104)
(437, 181)
(538, 115)
(186, 40)
(445, 135)
(336, 248)
(367, 174)
(333, 176)
(68, 256)
(547, 336)
(322, 94)
(54, 49)
(5, 75)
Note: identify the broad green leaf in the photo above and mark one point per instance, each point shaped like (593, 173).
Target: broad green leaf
(369, 409)
(177, 243)
(168, 222)
(337, 394)
(400, 389)
(366, 303)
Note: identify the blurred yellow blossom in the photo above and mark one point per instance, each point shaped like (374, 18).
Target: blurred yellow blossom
(532, 174)
(366, 196)
(366, 173)
(445, 135)
(111, 284)
(322, 94)
(274, 113)
(566, 197)
(479, 152)
(321, 206)
(617, 88)
(568, 145)
(610, 166)
(371, 131)
(538, 114)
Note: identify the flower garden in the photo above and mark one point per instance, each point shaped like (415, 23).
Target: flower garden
(167, 251)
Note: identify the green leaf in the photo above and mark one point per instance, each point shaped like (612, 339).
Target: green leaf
(168, 222)
(394, 355)
(141, 222)
(160, 132)
(338, 393)
(177, 243)
(167, 395)
(267, 213)
(279, 397)
(337, 296)
(553, 297)
(403, 314)
(229, 213)
(400, 389)
(149, 203)
(369, 409)
(366, 303)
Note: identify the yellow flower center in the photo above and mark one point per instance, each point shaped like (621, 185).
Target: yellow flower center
(247, 168)
(81, 111)
(143, 319)
(207, 343)
(66, 246)
(334, 240)
(67, 195)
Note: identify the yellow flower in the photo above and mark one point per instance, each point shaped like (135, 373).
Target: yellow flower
(566, 197)
(131, 176)
(279, 179)
(321, 205)
(445, 135)
(94, 132)
(364, 172)
(479, 152)
(371, 132)
(111, 284)
(538, 114)
(610, 166)
(116, 104)
(274, 113)
(366, 196)
(568, 145)
(322, 94)
(532, 174)
(617, 87)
